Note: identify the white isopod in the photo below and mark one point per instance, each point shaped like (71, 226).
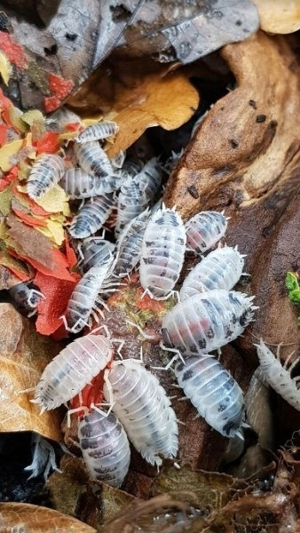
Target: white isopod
(163, 251)
(72, 369)
(94, 251)
(92, 216)
(144, 409)
(45, 174)
(93, 159)
(220, 269)
(85, 297)
(279, 376)
(25, 298)
(105, 447)
(213, 391)
(205, 322)
(97, 132)
(204, 230)
(129, 245)
(78, 184)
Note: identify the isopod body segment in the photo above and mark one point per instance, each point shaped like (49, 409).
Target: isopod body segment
(163, 251)
(205, 322)
(92, 158)
(92, 216)
(105, 447)
(204, 230)
(142, 406)
(46, 172)
(213, 391)
(98, 131)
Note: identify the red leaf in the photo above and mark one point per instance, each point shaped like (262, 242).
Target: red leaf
(48, 143)
(70, 254)
(73, 126)
(3, 134)
(29, 220)
(60, 87)
(51, 103)
(13, 50)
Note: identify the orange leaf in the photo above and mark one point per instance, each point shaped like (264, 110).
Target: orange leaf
(48, 143)
(3, 134)
(5, 102)
(14, 266)
(57, 293)
(29, 220)
(70, 254)
(60, 87)
(73, 126)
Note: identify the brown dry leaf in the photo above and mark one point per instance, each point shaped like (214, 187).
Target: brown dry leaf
(7, 278)
(24, 355)
(35, 519)
(279, 16)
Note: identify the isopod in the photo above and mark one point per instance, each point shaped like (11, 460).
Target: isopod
(84, 299)
(94, 251)
(74, 367)
(213, 391)
(78, 184)
(279, 376)
(163, 251)
(105, 447)
(205, 322)
(92, 216)
(93, 159)
(129, 245)
(144, 409)
(25, 298)
(220, 269)
(97, 132)
(204, 230)
(45, 174)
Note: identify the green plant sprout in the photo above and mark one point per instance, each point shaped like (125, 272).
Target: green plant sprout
(293, 287)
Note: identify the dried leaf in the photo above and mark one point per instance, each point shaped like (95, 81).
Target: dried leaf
(8, 152)
(37, 519)
(24, 355)
(55, 201)
(5, 68)
(282, 16)
(15, 266)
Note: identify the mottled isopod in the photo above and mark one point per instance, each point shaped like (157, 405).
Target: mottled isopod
(213, 391)
(204, 230)
(94, 251)
(92, 158)
(105, 447)
(278, 375)
(205, 322)
(72, 369)
(163, 251)
(129, 245)
(45, 174)
(220, 269)
(92, 216)
(25, 298)
(142, 406)
(78, 184)
(97, 132)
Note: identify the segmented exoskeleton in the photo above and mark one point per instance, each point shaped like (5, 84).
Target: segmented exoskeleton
(220, 269)
(46, 172)
(25, 298)
(142, 406)
(105, 447)
(92, 216)
(205, 322)
(78, 184)
(129, 245)
(163, 251)
(94, 251)
(93, 159)
(204, 230)
(74, 367)
(213, 391)
(97, 132)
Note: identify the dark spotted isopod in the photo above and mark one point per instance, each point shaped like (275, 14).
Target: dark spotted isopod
(97, 132)
(94, 251)
(25, 298)
(144, 409)
(129, 245)
(204, 230)
(220, 269)
(163, 251)
(46, 172)
(92, 216)
(213, 391)
(205, 322)
(78, 184)
(105, 447)
(92, 158)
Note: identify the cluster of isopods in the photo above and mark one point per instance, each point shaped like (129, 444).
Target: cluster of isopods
(209, 313)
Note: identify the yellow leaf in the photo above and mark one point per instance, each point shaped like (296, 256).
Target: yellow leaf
(68, 136)
(5, 200)
(34, 115)
(3, 233)
(15, 116)
(55, 201)
(10, 262)
(279, 16)
(7, 152)
(5, 67)
(54, 231)
(90, 121)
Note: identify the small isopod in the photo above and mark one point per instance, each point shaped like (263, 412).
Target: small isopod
(85, 297)
(279, 376)
(93, 159)
(144, 409)
(45, 174)
(94, 251)
(205, 322)
(129, 245)
(78, 184)
(72, 369)
(97, 132)
(220, 269)
(92, 216)
(213, 391)
(204, 230)
(163, 251)
(105, 447)
(25, 298)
